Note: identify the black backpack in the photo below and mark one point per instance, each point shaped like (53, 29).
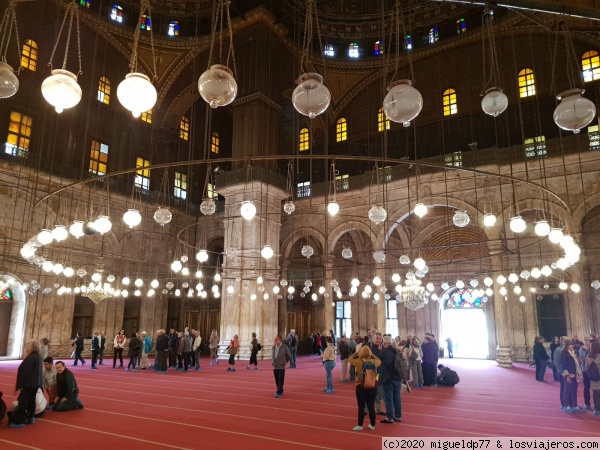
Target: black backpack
(2, 407)
(259, 347)
(294, 341)
(592, 372)
(401, 365)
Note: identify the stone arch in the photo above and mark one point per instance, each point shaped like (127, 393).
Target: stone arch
(343, 228)
(582, 209)
(288, 242)
(16, 332)
(535, 204)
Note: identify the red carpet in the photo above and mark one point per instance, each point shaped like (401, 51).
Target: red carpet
(214, 409)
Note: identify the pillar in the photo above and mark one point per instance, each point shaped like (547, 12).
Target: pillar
(501, 312)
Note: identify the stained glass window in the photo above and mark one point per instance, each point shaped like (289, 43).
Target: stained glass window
(449, 100)
(353, 50)
(173, 28)
(590, 63)
(378, 48)
(142, 176)
(329, 50)
(146, 23)
(453, 159)
(303, 140)
(383, 123)
(342, 182)
(526, 83)
(6, 295)
(116, 13)
(434, 35)
(211, 191)
(594, 137)
(536, 147)
(104, 90)
(408, 42)
(184, 128)
(98, 158)
(464, 298)
(19, 134)
(85, 3)
(461, 26)
(181, 185)
(147, 116)
(29, 55)
(215, 143)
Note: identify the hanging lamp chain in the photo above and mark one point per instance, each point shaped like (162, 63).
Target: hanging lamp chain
(290, 180)
(408, 52)
(231, 53)
(9, 20)
(71, 12)
(133, 63)
(491, 79)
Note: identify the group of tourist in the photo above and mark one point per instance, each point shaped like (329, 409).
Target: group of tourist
(573, 362)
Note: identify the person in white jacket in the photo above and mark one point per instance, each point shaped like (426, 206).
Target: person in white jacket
(197, 349)
(119, 345)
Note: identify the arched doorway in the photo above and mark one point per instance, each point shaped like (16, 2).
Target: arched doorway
(463, 321)
(12, 316)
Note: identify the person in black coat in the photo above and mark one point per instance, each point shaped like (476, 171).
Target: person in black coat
(540, 356)
(553, 346)
(389, 380)
(29, 380)
(134, 351)
(78, 344)
(162, 348)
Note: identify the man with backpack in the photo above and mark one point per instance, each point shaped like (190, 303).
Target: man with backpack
(390, 379)
(365, 363)
(292, 341)
(447, 377)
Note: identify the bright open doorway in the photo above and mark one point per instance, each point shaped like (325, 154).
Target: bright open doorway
(467, 328)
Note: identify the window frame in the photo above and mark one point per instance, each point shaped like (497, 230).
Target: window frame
(535, 147)
(526, 80)
(104, 90)
(173, 30)
(343, 324)
(180, 185)
(342, 182)
(341, 130)
(591, 58)
(142, 175)
(354, 50)
(378, 47)
(29, 55)
(21, 131)
(215, 143)
(391, 322)
(303, 189)
(453, 159)
(184, 128)
(594, 136)
(303, 140)
(147, 116)
(383, 123)
(450, 102)
(96, 161)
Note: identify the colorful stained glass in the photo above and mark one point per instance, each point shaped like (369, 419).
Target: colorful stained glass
(463, 298)
(6, 295)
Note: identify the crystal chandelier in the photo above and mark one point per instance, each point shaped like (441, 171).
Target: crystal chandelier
(97, 292)
(413, 295)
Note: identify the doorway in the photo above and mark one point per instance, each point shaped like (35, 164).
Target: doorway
(468, 330)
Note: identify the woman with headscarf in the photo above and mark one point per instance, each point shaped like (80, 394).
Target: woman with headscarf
(232, 350)
(213, 344)
(571, 371)
(363, 395)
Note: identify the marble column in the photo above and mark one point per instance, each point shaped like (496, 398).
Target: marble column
(501, 312)
(329, 297)
(579, 318)
(246, 310)
(380, 307)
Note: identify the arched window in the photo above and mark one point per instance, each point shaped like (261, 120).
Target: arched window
(329, 50)
(353, 50)
(383, 123)
(341, 130)
(173, 28)
(85, 3)
(461, 26)
(449, 101)
(303, 143)
(146, 23)
(434, 35)
(378, 48)
(464, 299)
(104, 90)
(19, 135)
(147, 116)
(590, 63)
(214, 143)
(29, 55)
(116, 13)
(526, 83)
(184, 128)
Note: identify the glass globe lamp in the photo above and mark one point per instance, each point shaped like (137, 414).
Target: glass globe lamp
(555, 235)
(136, 93)
(346, 253)
(58, 268)
(474, 282)
(60, 233)
(150, 293)
(377, 214)
(176, 266)
(574, 112)
(379, 256)
(522, 299)
(45, 237)
(248, 210)
(9, 83)
(307, 251)
(419, 263)
(420, 210)
(403, 102)
(489, 220)
(138, 282)
(536, 272)
(542, 228)
(61, 90)
(404, 260)
(132, 218)
(202, 256)
(460, 284)
(289, 207)
(517, 290)
(208, 207)
(501, 279)
(488, 281)
(126, 281)
(513, 278)
(503, 291)
(276, 290)
(517, 224)
(494, 102)
(525, 274)
(89, 228)
(575, 288)
(562, 285)
(103, 224)
(595, 284)
(154, 284)
(311, 97)
(47, 266)
(461, 219)
(444, 286)
(546, 271)
(267, 252)
(217, 86)
(333, 208)
(163, 216)
(230, 289)
(396, 277)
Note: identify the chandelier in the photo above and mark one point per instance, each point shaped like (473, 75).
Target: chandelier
(98, 292)
(413, 295)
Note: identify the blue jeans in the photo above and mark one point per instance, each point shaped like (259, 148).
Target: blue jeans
(329, 365)
(391, 398)
(293, 352)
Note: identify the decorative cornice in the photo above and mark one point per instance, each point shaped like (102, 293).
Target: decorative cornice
(257, 96)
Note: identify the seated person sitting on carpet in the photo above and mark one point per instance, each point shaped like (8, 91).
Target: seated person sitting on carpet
(40, 407)
(67, 391)
(447, 377)
(50, 379)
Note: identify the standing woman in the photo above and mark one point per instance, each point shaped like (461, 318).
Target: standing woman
(253, 352)
(540, 357)
(44, 348)
(78, 344)
(232, 350)
(119, 345)
(146, 348)
(415, 356)
(213, 344)
(364, 397)
(133, 352)
(594, 357)
(329, 363)
(571, 371)
(553, 346)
